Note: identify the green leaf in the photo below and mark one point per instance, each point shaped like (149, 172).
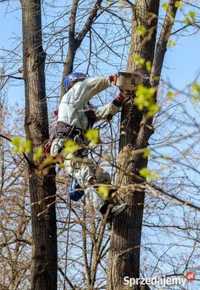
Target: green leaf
(153, 109)
(37, 153)
(61, 165)
(138, 60)
(165, 6)
(143, 96)
(103, 191)
(147, 152)
(27, 146)
(21, 145)
(195, 89)
(171, 43)
(148, 66)
(144, 99)
(93, 136)
(179, 4)
(190, 18)
(16, 143)
(71, 146)
(149, 175)
(141, 30)
(170, 95)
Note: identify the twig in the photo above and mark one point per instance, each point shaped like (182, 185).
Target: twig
(66, 278)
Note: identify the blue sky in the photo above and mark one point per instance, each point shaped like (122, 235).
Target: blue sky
(181, 62)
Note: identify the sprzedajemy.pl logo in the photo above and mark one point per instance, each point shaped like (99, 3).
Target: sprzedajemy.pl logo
(160, 281)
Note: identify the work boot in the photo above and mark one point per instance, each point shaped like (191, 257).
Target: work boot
(117, 209)
(114, 210)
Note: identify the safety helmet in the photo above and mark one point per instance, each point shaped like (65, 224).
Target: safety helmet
(71, 78)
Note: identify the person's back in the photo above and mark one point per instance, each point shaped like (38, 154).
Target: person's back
(73, 121)
(73, 104)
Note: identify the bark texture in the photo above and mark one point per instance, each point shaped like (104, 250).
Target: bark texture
(136, 130)
(42, 188)
(135, 133)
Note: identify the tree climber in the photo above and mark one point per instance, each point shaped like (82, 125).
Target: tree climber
(75, 117)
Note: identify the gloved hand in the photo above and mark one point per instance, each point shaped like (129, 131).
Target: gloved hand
(113, 79)
(119, 100)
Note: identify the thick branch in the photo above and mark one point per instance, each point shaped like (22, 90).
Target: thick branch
(75, 42)
(88, 24)
(72, 23)
(161, 46)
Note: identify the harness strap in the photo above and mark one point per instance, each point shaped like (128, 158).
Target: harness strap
(65, 130)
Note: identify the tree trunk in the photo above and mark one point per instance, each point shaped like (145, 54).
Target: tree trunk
(42, 188)
(136, 131)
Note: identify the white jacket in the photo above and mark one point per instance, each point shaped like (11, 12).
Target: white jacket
(73, 103)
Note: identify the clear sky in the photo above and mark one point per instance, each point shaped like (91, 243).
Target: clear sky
(181, 63)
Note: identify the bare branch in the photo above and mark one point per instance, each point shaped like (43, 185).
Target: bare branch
(72, 19)
(161, 45)
(88, 24)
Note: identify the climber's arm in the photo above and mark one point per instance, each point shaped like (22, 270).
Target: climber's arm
(106, 112)
(83, 91)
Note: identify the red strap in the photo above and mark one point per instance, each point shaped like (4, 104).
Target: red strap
(113, 79)
(120, 98)
(118, 101)
(47, 147)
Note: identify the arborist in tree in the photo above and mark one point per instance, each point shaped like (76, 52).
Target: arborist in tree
(75, 117)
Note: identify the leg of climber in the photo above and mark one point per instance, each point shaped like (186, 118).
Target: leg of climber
(107, 201)
(75, 191)
(57, 146)
(89, 177)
